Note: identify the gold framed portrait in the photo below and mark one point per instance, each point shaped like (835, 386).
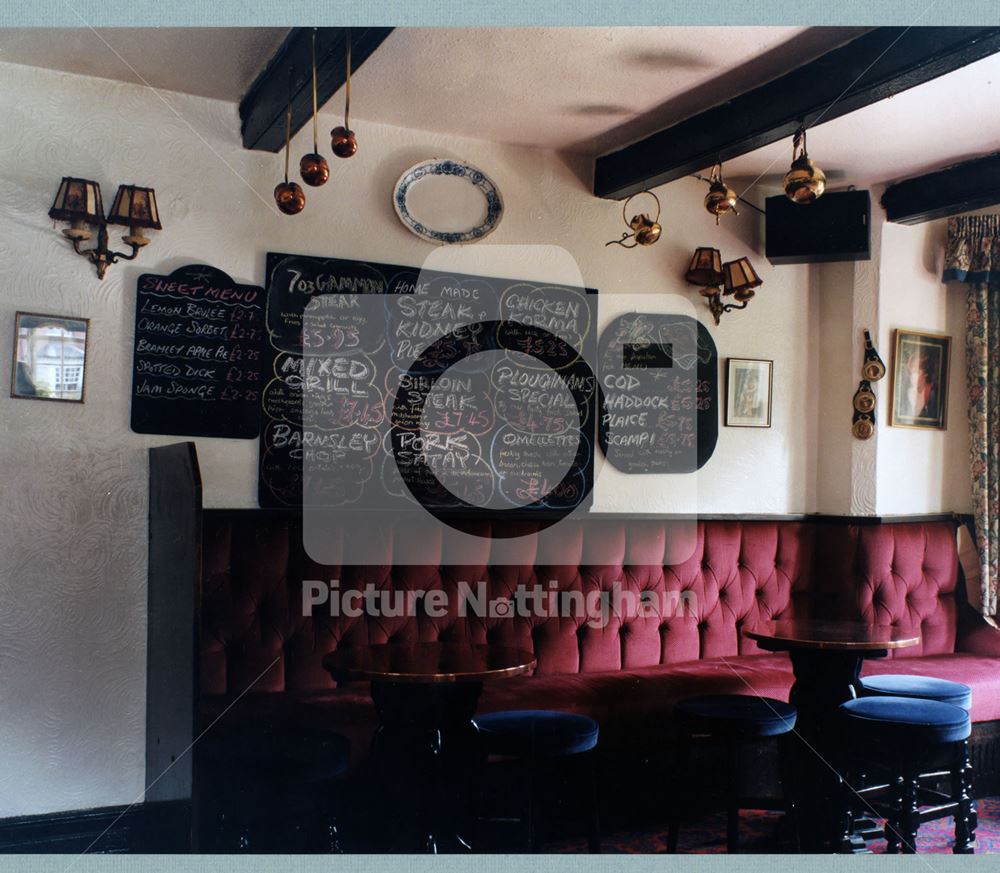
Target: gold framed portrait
(921, 366)
(748, 392)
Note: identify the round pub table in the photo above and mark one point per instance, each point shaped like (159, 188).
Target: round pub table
(826, 658)
(426, 752)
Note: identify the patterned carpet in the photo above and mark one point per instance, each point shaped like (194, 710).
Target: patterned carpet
(758, 835)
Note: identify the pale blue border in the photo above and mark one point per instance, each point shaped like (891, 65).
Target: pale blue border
(281, 13)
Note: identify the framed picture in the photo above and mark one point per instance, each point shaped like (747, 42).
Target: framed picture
(50, 357)
(920, 370)
(748, 392)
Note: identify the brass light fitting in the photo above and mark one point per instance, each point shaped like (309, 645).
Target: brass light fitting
(720, 198)
(79, 202)
(645, 230)
(804, 181)
(736, 279)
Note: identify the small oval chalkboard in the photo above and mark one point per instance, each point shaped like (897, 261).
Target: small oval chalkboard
(659, 393)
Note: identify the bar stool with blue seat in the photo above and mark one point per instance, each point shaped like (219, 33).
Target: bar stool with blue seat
(539, 737)
(272, 788)
(905, 735)
(920, 687)
(735, 720)
(923, 688)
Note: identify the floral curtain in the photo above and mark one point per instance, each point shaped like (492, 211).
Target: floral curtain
(973, 257)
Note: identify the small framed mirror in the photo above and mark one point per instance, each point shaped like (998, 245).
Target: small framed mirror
(50, 357)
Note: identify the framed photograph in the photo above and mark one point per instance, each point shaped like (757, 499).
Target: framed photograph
(748, 392)
(920, 371)
(50, 357)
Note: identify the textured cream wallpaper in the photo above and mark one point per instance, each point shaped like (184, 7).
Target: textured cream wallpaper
(73, 510)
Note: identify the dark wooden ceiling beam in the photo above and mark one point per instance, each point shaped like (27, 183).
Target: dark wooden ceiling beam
(263, 108)
(960, 188)
(872, 67)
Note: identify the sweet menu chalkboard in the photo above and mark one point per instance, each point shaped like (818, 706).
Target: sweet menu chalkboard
(389, 386)
(660, 393)
(196, 365)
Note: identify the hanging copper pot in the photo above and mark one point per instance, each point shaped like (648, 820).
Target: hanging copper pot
(313, 167)
(289, 196)
(342, 139)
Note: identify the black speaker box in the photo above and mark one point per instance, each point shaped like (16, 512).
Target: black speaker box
(837, 227)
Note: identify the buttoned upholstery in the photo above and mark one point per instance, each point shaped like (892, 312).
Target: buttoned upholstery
(903, 575)
(703, 583)
(708, 580)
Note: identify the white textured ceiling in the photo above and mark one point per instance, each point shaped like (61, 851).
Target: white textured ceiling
(584, 89)
(587, 90)
(218, 62)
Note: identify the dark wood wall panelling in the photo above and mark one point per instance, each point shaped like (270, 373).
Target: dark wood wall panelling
(173, 617)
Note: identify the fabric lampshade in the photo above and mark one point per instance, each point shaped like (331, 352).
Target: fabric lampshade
(741, 278)
(705, 268)
(135, 207)
(78, 200)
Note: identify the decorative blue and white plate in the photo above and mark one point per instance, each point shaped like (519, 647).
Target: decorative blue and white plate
(448, 202)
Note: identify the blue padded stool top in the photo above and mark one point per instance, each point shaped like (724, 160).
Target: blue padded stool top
(924, 687)
(524, 733)
(907, 719)
(742, 714)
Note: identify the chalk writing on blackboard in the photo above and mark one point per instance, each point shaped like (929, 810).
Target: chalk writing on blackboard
(390, 386)
(196, 365)
(659, 393)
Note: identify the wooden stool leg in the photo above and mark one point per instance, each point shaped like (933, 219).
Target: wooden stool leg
(789, 787)
(682, 754)
(909, 811)
(531, 805)
(965, 815)
(893, 824)
(733, 800)
(594, 841)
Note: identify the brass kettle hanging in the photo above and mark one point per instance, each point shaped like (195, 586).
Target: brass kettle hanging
(645, 230)
(720, 198)
(804, 181)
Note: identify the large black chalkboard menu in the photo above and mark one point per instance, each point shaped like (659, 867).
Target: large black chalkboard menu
(196, 365)
(388, 386)
(660, 393)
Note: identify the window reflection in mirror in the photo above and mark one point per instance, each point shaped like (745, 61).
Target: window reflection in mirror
(50, 356)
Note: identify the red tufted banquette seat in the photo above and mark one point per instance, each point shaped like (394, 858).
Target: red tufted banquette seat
(703, 582)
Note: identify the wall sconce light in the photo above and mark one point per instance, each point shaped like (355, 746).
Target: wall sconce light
(78, 201)
(645, 230)
(804, 181)
(737, 279)
(720, 198)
